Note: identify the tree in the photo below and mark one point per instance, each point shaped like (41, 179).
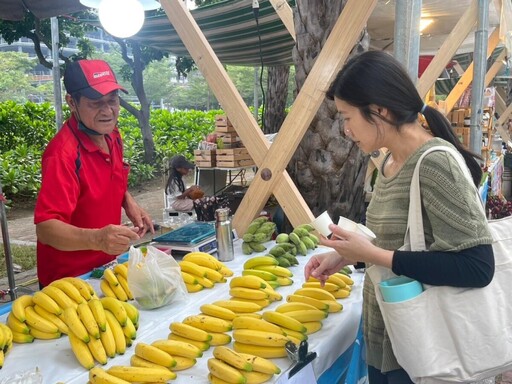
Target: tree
(15, 80)
(328, 169)
(275, 102)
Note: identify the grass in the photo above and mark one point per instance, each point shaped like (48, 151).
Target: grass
(23, 255)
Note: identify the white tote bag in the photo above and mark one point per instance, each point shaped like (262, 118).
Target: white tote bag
(447, 334)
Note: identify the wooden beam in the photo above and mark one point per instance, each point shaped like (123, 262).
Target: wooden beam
(467, 78)
(284, 11)
(495, 67)
(501, 121)
(500, 104)
(448, 49)
(269, 177)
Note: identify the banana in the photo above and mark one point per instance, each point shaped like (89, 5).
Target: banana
(219, 338)
(141, 374)
(232, 358)
(119, 291)
(178, 348)
(3, 340)
(192, 268)
(117, 331)
(283, 320)
(295, 336)
(294, 238)
(84, 288)
(256, 377)
(246, 248)
(260, 364)
(345, 278)
(259, 260)
(189, 332)
(312, 326)
(310, 244)
(205, 282)
(334, 306)
(208, 323)
(60, 297)
(98, 375)
(22, 338)
(305, 315)
(121, 269)
(254, 315)
(155, 355)
(341, 293)
(272, 294)
(287, 307)
(35, 320)
(2, 358)
(267, 276)
(217, 311)
(263, 338)
(207, 256)
(276, 270)
(223, 371)
(282, 238)
(129, 330)
(203, 261)
(188, 278)
(225, 271)
(99, 313)
(136, 361)
(116, 307)
(202, 345)
(88, 320)
(111, 278)
(238, 306)
(43, 300)
(315, 293)
(8, 337)
(213, 275)
(81, 351)
(191, 288)
(183, 363)
(132, 312)
(108, 340)
(329, 287)
(17, 326)
(273, 283)
(248, 293)
(124, 284)
(277, 251)
(69, 289)
(44, 335)
(261, 351)
(245, 322)
(75, 325)
(106, 289)
(263, 303)
(97, 350)
(18, 307)
(284, 281)
(333, 279)
(129, 341)
(308, 300)
(252, 282)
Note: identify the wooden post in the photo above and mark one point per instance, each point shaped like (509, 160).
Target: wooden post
(284, 11)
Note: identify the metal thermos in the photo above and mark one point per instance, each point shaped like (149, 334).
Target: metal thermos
(224, 235)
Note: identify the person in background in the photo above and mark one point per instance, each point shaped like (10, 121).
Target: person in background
(178, 197)
(85, 181)
(380, 106)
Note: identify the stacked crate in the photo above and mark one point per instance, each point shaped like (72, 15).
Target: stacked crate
(226, 132)
(234, 154)
(205, 158)
(460, 123)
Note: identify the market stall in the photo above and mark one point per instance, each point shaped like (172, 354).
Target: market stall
(56, 362)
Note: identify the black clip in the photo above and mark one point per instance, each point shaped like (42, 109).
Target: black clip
(304, 358)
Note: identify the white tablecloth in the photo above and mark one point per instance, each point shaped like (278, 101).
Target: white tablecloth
(56, 361)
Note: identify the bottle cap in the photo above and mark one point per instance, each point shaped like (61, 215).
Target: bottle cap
(222, 214)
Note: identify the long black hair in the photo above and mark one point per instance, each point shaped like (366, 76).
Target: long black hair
(377, 78)
(174, 182)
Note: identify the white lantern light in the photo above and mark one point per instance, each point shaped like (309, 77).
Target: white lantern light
(121, 18)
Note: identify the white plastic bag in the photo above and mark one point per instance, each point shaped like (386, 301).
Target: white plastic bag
(154, 278)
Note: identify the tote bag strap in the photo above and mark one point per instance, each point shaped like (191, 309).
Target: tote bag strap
(415, 235)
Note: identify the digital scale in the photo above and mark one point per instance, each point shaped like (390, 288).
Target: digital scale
(193, 237)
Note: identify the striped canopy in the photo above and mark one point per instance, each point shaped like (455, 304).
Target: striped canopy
(231, 29)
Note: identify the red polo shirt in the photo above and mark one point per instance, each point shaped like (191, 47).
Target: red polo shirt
(81, 186)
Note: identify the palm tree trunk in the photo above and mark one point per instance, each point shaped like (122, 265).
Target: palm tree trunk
(277, 93)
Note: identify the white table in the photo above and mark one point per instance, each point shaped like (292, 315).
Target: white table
(57, 363)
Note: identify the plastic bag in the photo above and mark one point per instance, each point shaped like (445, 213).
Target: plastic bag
(154, 278)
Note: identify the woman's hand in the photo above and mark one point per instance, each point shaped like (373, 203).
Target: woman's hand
(323, 265)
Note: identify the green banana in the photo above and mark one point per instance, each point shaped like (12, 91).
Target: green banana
(308, 242)
(307, 227)
(277, 251)
(282, 238)
(302, 249)
(314, 238)
(253, 227)
(257, 247)
(294, 238)
(246, 248)
(260, 237)
(283, 262)
(301, 232)
(248, 237)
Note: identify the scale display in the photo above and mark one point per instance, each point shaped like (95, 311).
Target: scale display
(189, 234)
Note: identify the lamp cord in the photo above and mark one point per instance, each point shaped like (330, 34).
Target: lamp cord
(256, 11)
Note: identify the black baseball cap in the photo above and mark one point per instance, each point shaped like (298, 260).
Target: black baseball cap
(179, 161)
(92, 78)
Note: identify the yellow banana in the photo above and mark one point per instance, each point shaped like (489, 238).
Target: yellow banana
(129, 341)
(333, 279)
(246, 322)
(116, 307)
(276, 270)
(129, 329)
(202, 345)
(119, 291)
(217, 311)
(155, 355)
(249, 314)
(192, 268)
(260, 364)
(272, 294)
(17, 326)
(44, 335)
(248, 293)
(188, 278)
(348, 280)
(219, 338)
(267, 276)
(194, 255)
(249, 281)
(330, 287)
(208, 323)
(260, 261)
(35, 320)
(178, 348)
(22, 338)
(202, 261)
(294, 306)
(60, 297)
(263, 338)
(106, 289)
(63, 328)
(315, 293)
(220, 369)
(308, 300)
(88, 320)
(43, 300)
(69, 289)
(283, 320)
(81, 351)
(334, 306)
(192, 288)
(108, 340)
(85, 289)
(18, 307)
(117, 331)
(225, 271)
(183, 363)
(98, 312)
(215, 380)
(75, 325)
(98, 375)
(312, 326)
(263, 303)
(259, 350)
(121, 270)
(232, 358)
(3, 340)
(136, 361)
(256, 377)
(341, 293)
(295, 335)
(238, 306)
(205, 282)
(284, 281)
(189, 332)
(7, 332)
(142, 374)
(305, 315)
(124, 284)
(110, 277)
(97, 350)
(2, 358)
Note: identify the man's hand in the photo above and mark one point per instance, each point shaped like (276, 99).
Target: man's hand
(114, 239)
(138, 216)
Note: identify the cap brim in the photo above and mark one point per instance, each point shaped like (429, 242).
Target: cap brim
(101, 90)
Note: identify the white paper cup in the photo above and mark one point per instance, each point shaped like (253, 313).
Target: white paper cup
(366, 232)
(347, 224)
(321, 224)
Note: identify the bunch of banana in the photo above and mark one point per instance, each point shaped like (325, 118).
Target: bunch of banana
(215, 326)
(243, 287)
(252, 368)
(190, 334)
(200, 272)
(259, 231)
(285, 254)
(301, 237)
(206, 260)
(119, 374)
(185, 354)
(318, 297)
(338, 284)
(267, 268)
(114, 283)
(6, 340)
